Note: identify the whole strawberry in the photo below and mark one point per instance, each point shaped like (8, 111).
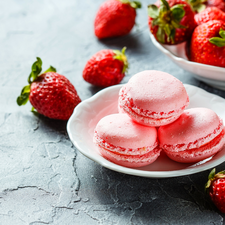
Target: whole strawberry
(106, 67)
(216, 189)
(115, 18)
(210, 13)
(171, 22)
(207, 44)
(50, 93)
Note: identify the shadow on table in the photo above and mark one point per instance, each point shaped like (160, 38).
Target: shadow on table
(130, 41)
(155, 201)
(52, 124)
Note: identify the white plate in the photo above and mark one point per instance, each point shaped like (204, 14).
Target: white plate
(82, 123)
(212, 75)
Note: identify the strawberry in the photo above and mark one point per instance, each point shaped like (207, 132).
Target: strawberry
(216, 189)
(50, 93)
(207, 44)
(106, 67)
(171, 22)
(115, 18)
(211, 13)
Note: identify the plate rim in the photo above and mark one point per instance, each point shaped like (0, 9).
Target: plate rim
(132, 171)
(180, 59)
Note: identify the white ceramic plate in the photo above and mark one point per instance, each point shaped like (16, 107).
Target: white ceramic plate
(212, 75)
(82, 123)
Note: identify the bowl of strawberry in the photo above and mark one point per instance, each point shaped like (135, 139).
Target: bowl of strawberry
(192, 36)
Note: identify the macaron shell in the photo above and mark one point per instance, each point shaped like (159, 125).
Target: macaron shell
(193, 126)
(131, 161)
(198, 154)
(120, 130)
(156, 91)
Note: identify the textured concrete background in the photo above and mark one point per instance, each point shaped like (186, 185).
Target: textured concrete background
(43, 178)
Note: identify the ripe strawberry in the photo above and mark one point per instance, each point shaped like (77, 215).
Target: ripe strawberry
(216, 189)
(115, 18)
(50, 93)
(106, 67)
(207, 44)
(211, 13)
(171, 22)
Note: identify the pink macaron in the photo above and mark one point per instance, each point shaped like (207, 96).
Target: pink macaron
(196, 135)
(153, 98)
(126, 143)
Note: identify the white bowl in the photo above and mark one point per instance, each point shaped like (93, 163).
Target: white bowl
(212, 75)
(86, 115)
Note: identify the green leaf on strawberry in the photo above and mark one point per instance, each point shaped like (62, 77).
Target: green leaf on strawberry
(35, 72)
(167, 19)
(24, 96)
(133, 4)
(50, 69)
(153, 11)
(219, 41)
(197, 5)
(120, 55)
(213, 176)
(178, 12)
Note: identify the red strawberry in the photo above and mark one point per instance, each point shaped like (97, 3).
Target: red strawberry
(211, 13)
(50, 93)
(172, 22)
(216, 188)
(207, 44)
(115, 18)
(106, 68)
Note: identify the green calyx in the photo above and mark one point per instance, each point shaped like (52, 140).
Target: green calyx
(167, 19)
(197, 5)
(133, 4)
(213, 176)
(35, 73)
(219, 41)
(120, 55)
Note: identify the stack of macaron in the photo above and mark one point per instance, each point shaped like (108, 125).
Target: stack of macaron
(153, 118)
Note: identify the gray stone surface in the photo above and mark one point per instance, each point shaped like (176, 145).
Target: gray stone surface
(43, 178)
